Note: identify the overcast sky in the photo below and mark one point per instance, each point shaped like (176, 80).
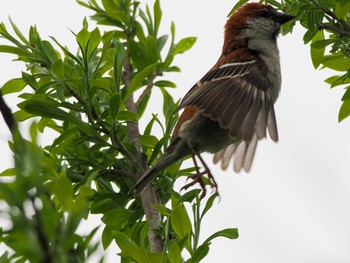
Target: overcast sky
(294, 204)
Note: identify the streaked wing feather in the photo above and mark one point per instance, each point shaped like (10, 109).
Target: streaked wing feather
(237, 96)
(249, 154)
(249, 124)
(271, 124)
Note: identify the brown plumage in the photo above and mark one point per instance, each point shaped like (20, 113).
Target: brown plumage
(230, 108)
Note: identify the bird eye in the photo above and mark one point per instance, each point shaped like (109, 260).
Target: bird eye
(264, 13)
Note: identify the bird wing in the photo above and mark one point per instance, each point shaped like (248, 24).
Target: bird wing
(237, 96)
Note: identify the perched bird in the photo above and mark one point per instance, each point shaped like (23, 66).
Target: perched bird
(232, 106)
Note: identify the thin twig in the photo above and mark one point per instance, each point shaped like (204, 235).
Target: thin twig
(335, 29)
(147, 90)
(144, 94)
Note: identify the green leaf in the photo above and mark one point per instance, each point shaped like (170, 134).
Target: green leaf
(22, 115)
(94, 41)
(157, 16)
(184, 45)
(83, 38)
(152, 54)
(149, 141)
(336, 62)
(138, 79)
(119, 59)
(168, 105)
(116, 218)
(14, 50)
(47, 49)
(83, 126)
(107, 236)
(114, 105)
(130, 249)
(346, 95)
(41, 105)
(322, 43)
(13, 85)
(64, 192)
(30, 80)
(200, 253)
(102, 83)
(209, 203)
(143, 105)
(317, 54)
(126, 116)
(175, 253)
(58, 69)
(18, 32)
(231, 233)
(189, 196)
(181, 223)
(8, 172)
(165, 84)
(342, 10)
(162, 209)
(344, 111)
(309, 35)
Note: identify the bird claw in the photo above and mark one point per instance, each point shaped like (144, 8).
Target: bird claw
(198, 178)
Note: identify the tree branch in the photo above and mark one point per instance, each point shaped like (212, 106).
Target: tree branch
(335, 29)
(148, 195)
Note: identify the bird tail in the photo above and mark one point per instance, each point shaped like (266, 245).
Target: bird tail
(151, 173)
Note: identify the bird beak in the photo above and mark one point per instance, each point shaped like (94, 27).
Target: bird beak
(282, 17)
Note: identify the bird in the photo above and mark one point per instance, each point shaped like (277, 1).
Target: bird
(231, 107)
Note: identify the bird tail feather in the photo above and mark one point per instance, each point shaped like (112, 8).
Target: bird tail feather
(151, 173)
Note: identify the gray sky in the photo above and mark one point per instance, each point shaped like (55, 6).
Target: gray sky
(294, 204)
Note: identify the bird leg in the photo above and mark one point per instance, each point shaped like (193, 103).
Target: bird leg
(197, 178)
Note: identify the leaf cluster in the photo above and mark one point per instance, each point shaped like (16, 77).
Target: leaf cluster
(94, 98)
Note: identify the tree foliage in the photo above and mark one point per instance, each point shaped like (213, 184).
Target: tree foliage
(94, 98)
(327, 25)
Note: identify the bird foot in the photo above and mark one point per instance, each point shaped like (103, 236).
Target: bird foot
(198, 177)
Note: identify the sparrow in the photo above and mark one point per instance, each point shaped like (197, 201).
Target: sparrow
(231, 107)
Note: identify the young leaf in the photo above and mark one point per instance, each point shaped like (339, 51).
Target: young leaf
(336, 62)
(200, 253)
(157, 16)
(114, 104)
(209, 204)
(12, 86)
(116, 218)
(94, 41)
(119, 59)
(317, 54)
(41, 106)
(181, 222)
(344, 111)
(174, 253)
(149, 141)
(65, 197)
(136, 82)
(231, 233)
(129, 248)
(184, 45)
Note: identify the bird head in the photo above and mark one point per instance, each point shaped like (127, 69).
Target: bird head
(254, 21)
